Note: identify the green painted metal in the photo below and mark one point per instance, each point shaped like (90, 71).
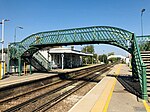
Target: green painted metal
(78, 36)
(144, 82)
(144, 42)
(139, 68)
(42, 59)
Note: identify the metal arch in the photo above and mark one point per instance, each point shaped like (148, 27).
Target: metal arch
(87, 35)
(76, 36)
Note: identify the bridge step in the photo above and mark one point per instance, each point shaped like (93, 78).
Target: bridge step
(145, 52)
(146, 59)
(147, 62)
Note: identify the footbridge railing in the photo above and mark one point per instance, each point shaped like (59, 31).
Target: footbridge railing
(144, 42)
(139, 68)
(86, 35)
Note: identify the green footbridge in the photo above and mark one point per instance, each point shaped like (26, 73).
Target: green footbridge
(28, 49)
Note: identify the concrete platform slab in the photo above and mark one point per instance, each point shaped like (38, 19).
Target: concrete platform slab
(89, 102)
(72, 69)
(15, 79)
(119, 99)
(123, 101)
(12, 80)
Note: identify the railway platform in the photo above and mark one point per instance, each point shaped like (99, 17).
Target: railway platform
(111, 95)
(11, 80)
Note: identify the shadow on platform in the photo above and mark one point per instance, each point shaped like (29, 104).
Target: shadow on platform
(130, 85)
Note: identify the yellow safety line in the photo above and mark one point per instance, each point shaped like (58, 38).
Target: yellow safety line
(109, 98)
(103, 101)
(147, 107)
(100, 104)
(111, 92)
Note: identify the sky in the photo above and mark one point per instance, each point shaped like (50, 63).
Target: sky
(46, 15)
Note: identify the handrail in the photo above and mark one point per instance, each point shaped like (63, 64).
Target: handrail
(21, 49)
(139, 68)
(43, 60)
(144, 42)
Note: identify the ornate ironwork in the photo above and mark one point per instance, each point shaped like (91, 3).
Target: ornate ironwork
(87, 35)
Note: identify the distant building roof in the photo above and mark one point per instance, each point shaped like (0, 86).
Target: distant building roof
(67, 51)
(116, 56)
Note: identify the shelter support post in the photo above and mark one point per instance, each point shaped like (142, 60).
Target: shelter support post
(30, 69)
(62, 59)
(19, 66)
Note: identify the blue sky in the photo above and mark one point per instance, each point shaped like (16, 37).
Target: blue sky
(45, 15)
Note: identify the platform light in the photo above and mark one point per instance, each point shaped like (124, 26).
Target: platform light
(16, 33)
(2, 41)
(142, 11)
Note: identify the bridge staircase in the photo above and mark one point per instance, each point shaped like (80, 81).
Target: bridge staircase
(146, 59)
(38, 61)
(31, 55)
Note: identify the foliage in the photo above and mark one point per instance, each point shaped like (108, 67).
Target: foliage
(5, 50)
(88, 49)
(114, 59)
(103, 58)
(112, 53)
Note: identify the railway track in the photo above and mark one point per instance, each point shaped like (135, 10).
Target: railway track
(50, 101)
(44, 86)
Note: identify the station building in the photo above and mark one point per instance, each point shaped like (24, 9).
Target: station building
(64, 57)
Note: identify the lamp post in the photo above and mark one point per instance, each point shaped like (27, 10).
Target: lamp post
(142, 11)
(2, 41)
(16, 31)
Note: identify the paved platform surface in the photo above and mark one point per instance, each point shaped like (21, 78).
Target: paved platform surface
(15, 79)
(11, 80)
(92, 100)
(122, 100)
(73, 69)
(116, 97)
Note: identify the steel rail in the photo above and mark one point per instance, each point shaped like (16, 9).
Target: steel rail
(39, 88)
(17, 107)
(55, 100)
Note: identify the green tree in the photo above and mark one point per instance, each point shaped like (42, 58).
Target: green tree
(103, 58)
(112, 60)
(5, 50)
(88, 49)
(95, 58)
(111, 53)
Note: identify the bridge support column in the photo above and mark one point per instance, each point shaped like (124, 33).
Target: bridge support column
(19, 66)
(144, 82)
(133, 67)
